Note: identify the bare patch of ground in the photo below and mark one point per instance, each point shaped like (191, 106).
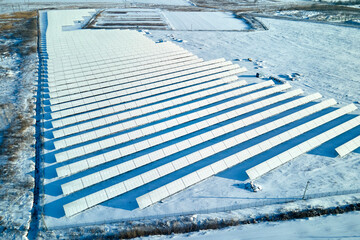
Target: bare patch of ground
(18, 63)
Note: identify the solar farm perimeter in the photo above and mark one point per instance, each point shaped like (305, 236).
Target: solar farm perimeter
(134, 128)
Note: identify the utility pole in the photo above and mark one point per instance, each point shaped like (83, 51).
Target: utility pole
(307, 184)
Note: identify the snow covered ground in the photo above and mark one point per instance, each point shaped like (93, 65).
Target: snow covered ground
(204, 21)
(325, 55)
(175, 20)
(167, 2)
(328, 61)
(344, 226)
(17, 78)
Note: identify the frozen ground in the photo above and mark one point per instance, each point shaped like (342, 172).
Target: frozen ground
(17, 75)
(204, 21)
(167, 2)
(344, 226)
(175, 20)
(326, 57)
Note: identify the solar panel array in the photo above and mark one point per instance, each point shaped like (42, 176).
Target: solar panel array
(302, 148)
(131, 19)
(243, 155)
(116, 94)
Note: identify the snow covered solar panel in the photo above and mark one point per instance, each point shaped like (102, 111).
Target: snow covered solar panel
(133, 55)
(144, 200)
(75, 207)
(133, 183)
(264, 167)
(229, 161)
(122, 80)
(154, 99)
(219, 107)
(154, 156)
(296, 151)
(150, 176)
(96, 198)
(129, 79)
(159, 194)
(165, 169)
(189, 179)
(72, 186)
(196, 78)
(124, 70)
(91, 179)
(347, 147)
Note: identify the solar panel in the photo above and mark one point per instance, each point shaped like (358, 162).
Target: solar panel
(115, 190)
(133, 183)
(159, 194)
(206, 136)
(158, 127)
(158, 74)
(151, 55)
(154, 99)
(145, 200)
(122, 81)
(348, 147)
(154, 156)
(96, 198)
(75, 207)
(130, 57)
(196, 79)
(304, 147)
(256, 149)
(150, 176)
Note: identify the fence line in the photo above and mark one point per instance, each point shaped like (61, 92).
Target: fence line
(215, 210)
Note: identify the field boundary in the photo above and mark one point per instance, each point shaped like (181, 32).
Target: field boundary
(272, 201)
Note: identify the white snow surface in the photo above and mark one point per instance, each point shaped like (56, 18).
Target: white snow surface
(164, 2)
(204, 21)
(328, 59)
(344, 226)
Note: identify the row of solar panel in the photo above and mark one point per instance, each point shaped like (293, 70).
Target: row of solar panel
(144, 57)
(116, 68)
(116, 80)
(156, 95)
(68, 47)
(75, 63)
(144, 85)
(172, 78)
(96, 57)
(302, 148)
(126, 58)
(60, 68)
(153, 109)
(138, 86)
(193, 178)
(192, 127)
(348, 147)
(66, 155)
(179, 146)
(208, 171)
(66, 61)
(187, 109)
(199, 91)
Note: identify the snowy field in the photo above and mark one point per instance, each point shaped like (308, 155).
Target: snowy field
(212, 21)
(171, 20)
(327, 227)
(166, 2)
(324, 55)
(18, 62)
